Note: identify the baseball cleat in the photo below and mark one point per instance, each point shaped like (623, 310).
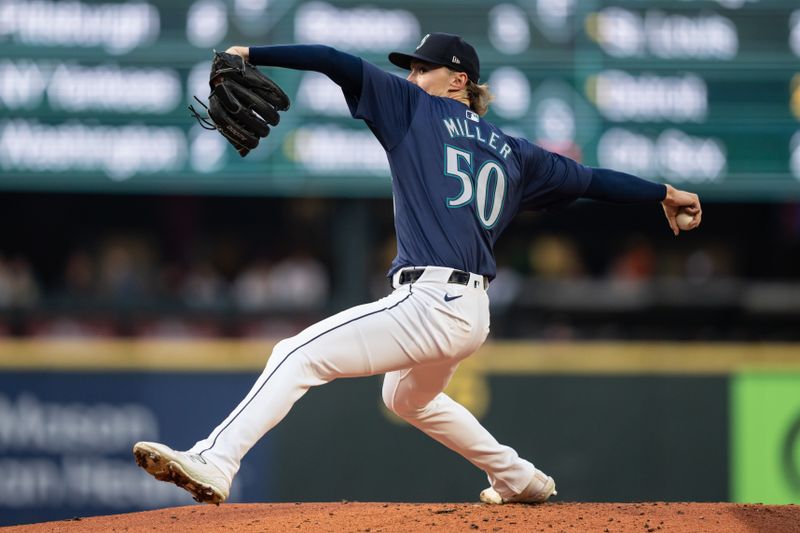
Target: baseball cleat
(538, 490)
(189, 471)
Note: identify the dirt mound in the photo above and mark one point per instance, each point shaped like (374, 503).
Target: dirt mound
(388, 517)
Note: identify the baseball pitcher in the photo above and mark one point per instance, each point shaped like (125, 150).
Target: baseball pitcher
(457, 182)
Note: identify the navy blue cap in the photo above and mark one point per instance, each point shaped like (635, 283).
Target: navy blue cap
(443, 49)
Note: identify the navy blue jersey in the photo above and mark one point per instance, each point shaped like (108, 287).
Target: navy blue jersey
(457, 180)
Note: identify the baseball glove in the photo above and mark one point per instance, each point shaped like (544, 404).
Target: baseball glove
(243, 103)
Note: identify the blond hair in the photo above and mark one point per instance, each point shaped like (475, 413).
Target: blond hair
(479, 97)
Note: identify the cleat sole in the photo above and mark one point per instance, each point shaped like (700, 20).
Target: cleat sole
(153, 464)
(200, 491)
(172, 472)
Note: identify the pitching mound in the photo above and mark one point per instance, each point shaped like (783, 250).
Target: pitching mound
(386, 517)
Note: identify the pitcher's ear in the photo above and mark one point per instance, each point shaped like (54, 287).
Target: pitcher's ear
(459, 80)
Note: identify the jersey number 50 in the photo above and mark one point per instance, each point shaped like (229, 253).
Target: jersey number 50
(488, 191)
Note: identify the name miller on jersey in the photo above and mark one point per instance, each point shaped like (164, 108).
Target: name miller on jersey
(462, 128)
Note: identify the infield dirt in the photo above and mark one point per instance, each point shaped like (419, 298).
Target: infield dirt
(388, 517)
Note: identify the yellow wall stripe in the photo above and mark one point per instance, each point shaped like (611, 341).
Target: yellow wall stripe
(493, 358)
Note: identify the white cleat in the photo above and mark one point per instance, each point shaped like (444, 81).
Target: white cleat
(189, 471)
(538, 490)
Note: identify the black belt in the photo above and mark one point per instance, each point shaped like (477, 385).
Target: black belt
(459, 277)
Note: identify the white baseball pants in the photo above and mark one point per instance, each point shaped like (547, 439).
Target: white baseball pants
(416, 336)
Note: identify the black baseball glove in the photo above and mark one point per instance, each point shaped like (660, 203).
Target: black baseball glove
(243, 103)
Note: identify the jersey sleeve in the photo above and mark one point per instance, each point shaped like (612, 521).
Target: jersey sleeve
(343, 68)
(618, 187)
(387, 104)
(552, 181)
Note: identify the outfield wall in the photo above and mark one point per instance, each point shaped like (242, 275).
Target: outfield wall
(611, 421)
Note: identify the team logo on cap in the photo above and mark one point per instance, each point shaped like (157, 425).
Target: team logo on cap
(423, 41)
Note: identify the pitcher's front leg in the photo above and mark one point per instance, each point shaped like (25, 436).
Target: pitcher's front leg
(365, 340)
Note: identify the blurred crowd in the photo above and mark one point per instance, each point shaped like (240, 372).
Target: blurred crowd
(180, 276)
(18, 285)
(126, 274)
(122, 288)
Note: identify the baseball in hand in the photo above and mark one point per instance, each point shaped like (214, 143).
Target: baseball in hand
(684, 220)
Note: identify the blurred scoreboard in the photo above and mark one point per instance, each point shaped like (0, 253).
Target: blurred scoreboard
(702, 94)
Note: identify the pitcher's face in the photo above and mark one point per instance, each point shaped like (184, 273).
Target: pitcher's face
(435, 80)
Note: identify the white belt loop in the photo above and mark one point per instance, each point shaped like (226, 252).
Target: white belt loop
(396, 276)
(476, 281)
(436, 274)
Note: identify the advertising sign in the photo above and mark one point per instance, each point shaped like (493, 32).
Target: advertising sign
(765, 421)
(94, 94)
(66, 439)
